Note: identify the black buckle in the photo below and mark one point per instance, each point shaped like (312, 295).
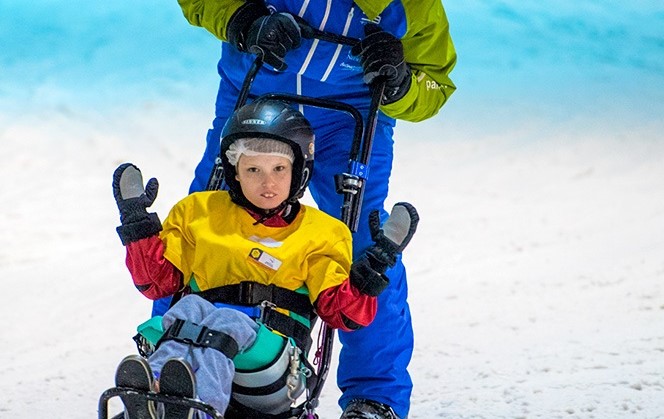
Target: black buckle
(246, 293)
(252, 293)
(193, 334)
(264, 307)
(185, 331)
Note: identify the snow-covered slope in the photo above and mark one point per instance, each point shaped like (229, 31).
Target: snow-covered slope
(536, 277)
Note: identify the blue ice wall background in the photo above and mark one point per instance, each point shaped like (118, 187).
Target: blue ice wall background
(57, 53)
(557, 58)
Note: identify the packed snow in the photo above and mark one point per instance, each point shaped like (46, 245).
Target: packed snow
(537, 274)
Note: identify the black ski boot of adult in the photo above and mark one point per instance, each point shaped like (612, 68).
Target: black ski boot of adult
(177, 379)
(368, 409)
(134, 372)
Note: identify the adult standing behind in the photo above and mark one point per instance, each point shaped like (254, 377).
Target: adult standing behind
(406, 41)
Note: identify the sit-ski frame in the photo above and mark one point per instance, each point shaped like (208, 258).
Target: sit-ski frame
(351, 184)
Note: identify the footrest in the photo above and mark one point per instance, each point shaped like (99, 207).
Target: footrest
(157, 397)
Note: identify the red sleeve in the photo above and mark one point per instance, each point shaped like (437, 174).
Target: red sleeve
(344, 307)
(154, 276)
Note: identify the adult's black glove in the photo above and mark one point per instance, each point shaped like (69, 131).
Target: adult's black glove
(133, 200)
(381, 54)
(253, 29)
(368, 273)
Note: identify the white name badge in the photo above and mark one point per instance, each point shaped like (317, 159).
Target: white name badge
(265, 259)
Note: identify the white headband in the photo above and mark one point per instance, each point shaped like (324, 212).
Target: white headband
(258, 146)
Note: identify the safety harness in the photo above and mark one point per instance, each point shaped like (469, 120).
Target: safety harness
(274, 384)
(266, 298)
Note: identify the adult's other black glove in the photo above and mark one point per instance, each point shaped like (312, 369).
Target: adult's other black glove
(368, 273)
(381, 54)
(133, 200)
(253, 29)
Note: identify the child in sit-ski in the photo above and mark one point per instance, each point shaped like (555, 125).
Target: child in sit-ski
(256, 268)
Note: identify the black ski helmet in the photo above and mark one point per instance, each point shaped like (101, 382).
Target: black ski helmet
(275, 119)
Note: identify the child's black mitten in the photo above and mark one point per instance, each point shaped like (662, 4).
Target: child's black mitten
(133, 200)
(368, 273)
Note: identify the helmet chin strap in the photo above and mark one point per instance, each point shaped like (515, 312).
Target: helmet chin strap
(267, 214)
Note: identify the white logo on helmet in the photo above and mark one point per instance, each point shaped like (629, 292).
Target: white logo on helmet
(253, 121)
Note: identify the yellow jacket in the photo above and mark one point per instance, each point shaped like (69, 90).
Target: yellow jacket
(215, 242)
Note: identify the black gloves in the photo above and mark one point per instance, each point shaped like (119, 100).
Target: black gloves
(253, 29)
(368, 273)
(381, 54)
(132, 200)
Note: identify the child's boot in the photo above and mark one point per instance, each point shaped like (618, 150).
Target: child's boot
(134, 372)
(177, 379)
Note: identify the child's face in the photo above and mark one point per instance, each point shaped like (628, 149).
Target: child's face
(264, 179)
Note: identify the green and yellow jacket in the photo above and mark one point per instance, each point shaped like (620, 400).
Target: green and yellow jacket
(321, 69)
